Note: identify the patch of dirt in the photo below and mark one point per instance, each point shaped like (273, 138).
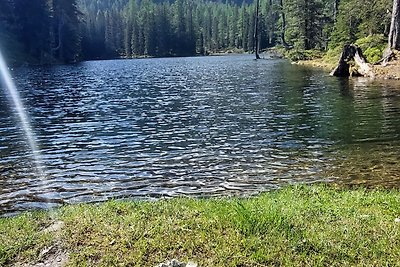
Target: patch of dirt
(390, 71)
(52, 256)
(55, 227)
(176, 263)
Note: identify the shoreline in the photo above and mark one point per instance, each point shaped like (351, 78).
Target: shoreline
(389, 71)
(316, 63)
(297, 226)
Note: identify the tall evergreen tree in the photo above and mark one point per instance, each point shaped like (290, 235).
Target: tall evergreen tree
(33, 18)
(56, 29)
(8, 39)
(359, 19)
(66, 30)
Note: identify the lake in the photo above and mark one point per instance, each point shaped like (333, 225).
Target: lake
(201, 126)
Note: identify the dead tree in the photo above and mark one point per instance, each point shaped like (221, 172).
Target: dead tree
(394, 34)
(256, 41)
(349, 53)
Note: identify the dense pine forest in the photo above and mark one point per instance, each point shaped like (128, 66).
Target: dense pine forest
(64, 31)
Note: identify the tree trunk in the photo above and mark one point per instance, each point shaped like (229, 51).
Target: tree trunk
(343, 68)
(256, 41)
(394, 33)
(335, 9)
(59, 46)
(271, 31)
(283, 17)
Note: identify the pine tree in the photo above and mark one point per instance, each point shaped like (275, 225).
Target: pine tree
(32, 23)
(66, 30)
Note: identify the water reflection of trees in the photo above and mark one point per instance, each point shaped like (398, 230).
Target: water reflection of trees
(365, 125)
(355, 119)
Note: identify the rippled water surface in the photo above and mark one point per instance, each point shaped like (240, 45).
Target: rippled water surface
(204, 126)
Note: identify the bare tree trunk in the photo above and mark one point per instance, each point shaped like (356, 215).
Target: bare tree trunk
(283, 17)
(256, 41)
(335, 9)
(394, 33)
(365, 68)
(271, 32)
(59, 46)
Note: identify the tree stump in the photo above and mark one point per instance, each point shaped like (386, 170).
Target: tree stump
(352, 52)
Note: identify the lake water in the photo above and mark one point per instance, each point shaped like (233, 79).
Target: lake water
(203, 126)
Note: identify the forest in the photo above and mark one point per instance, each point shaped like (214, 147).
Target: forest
(66, 31)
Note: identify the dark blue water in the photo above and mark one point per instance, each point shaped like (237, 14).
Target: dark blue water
(204, 126)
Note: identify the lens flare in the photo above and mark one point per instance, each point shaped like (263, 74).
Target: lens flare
(22, 116)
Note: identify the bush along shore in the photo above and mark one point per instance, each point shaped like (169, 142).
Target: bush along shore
(294, 226)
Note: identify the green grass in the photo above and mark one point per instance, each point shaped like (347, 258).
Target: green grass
(294, 226)
(21, 237)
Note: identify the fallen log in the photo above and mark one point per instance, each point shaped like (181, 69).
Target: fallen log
(353, 52)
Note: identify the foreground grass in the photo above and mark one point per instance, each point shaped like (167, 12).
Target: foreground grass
(295, 226)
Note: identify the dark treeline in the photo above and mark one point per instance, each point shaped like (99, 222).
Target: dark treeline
(187, 27)
(167, 28)
(132, 28)
(67, 30)
(41, 31)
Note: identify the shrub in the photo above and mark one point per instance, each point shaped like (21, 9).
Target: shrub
(333, 54)
(299, 54)
(372, 46)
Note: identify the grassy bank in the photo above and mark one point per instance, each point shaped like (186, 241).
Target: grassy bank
(295, 226)
(312, 58)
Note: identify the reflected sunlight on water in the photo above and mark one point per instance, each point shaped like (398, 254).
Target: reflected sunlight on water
(204, 126)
